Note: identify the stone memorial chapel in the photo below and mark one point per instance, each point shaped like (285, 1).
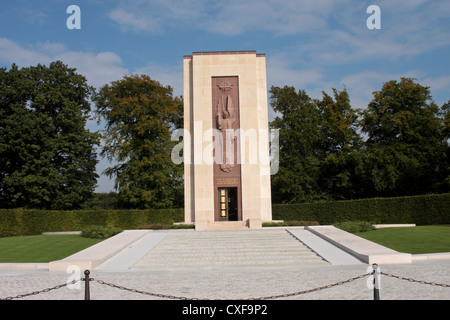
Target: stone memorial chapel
(226, 141)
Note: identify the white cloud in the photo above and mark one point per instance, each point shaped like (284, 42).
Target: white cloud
(50, 48)
(225, 17)
(438, 83)
(279, 73)
(12, 52)
(130, 20)
(166, 75)
(321, 32)
(360, 86)
(439, 88)
(154, 16)
(33, 15)
(408, 29)
(99, 68)
(280, 17)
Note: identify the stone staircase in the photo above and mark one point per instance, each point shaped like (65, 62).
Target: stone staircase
(232, 249)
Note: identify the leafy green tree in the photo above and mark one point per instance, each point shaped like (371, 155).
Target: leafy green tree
(445, 167)
(139, 114)
(300, 146)
(338, 122)
(445, 114)
(323, 155)
(47, 156)
(406, 144)
(340, 162)
(319, 147)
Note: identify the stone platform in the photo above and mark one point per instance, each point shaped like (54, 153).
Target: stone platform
(165, 250)
(158, 250)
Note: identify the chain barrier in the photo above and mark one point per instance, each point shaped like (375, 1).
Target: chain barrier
(417, 281)
(259, 298)
(160, 295)
(87, 279)
(310, 290)
(40, 291)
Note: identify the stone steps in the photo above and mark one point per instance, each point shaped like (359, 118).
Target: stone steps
(231, 256)
(228, 250)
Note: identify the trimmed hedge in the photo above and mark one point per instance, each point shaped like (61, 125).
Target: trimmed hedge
(355, 226)
(421, 210)
(19, 222)
(100, 232)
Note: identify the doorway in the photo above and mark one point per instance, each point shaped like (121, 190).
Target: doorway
(228, 204)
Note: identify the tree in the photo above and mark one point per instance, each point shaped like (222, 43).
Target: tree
(406, 143)
(319, 146)
(139, 114)
(300, 146)
(445, 167)
(323, 154)
(340, 162)
(47, 157)
(445, 114)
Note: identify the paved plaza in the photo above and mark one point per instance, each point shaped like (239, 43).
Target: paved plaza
(238, 284)
(158, 266)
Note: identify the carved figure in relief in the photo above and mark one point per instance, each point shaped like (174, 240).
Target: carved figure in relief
(225, 123)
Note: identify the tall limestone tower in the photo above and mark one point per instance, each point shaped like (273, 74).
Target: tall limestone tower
(226, 141)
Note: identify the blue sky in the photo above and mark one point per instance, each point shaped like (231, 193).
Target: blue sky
(315, 45)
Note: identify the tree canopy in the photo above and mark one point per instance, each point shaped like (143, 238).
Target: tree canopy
(407, 145)
(139, 114)
(397, 146)
(47, 156)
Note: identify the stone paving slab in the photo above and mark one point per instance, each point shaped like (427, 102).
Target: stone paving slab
(328, 251)
(431, 256)
(95, 255)
(124, 260)
(365, 250)
(24, 266)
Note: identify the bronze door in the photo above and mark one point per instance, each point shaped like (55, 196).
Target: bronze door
(228, 204)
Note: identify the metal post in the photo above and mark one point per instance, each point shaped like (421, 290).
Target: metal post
(376, 284)
(87, 295)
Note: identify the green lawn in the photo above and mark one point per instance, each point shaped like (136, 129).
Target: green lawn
(414, 240)
(42, 248)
